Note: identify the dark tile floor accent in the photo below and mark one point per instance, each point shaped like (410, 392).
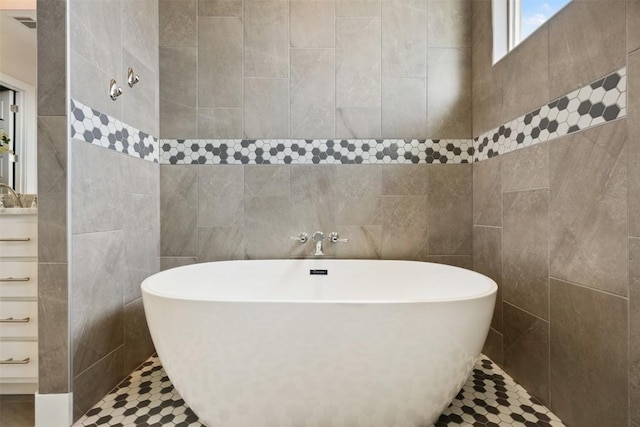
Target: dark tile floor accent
(489, 398)
(17, 410)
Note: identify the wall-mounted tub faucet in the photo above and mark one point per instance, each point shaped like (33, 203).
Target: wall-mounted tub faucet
(318, 237)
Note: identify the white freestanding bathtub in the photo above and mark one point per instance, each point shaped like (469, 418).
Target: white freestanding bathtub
(369, 343)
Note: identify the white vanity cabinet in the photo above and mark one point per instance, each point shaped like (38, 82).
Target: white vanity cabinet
(18, 301)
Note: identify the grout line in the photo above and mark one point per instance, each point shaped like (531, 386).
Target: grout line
(588, 288)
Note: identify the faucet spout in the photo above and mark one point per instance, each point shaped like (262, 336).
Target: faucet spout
(318, 237)
(13, 194)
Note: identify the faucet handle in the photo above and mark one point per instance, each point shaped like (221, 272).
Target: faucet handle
(301, 237)
(334, 237)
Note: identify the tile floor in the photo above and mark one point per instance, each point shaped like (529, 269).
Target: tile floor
(17, 410)
(489, 398)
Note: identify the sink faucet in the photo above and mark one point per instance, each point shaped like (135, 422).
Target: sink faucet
(13, 194)
(318, 237)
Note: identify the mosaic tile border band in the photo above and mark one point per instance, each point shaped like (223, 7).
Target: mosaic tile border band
(594, 104)
(316, 151)
(100, 129)
(600, 102)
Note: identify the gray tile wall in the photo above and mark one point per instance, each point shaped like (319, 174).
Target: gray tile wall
(555, 224)
(107, 37)
(221, 212)
(115, 245)
(53, 345)
(115, 225)
(329, 69)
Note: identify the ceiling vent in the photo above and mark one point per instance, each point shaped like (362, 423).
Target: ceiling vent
(26, 21)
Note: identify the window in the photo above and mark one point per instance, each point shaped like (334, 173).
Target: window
(515, 20)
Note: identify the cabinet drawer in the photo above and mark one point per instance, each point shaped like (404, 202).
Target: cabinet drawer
(12, 275)
(18, 319)
(18, 239)
(18, 351)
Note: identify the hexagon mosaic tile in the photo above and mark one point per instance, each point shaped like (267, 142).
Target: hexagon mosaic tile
(599, 102)
(489, 398)
(316, 151)
(101, 129)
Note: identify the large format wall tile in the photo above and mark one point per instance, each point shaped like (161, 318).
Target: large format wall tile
(96, 199)
(487, 192)
(313, 93)
(52, 189)
(462, 261)
(178, 210)
(526, 81)
(177, 23)
(177, 121)
(449, 89)
(98, 273)
(220, 62)
(358, 196)
(52, 58)
(404, 108)
(90, 85)
(365, 242)
(487, 260)
(404, 39)
(358, 7)
(313, 197)
(266, 119)
(53, 327)
(220, 123)
(493, 347)
(141, 241)
(266, 38)
(140, 31)
(139, 107)
(589, 352)
(633, 121)
(266, 180)
(268, 227)
(178, 75)
(633, 25)
(404, 180)
(220, 243)
(220, 8)
(220, 196)
(448, 23)
(96, 381)
(96, 36)
(526, 169)
(525, 255)
(526, 351)
(313, 23)
(634, 327)
(450, 210)
(358, 122)
(137, 339)
(358, 62)
(588, 205)
(586, 41)
(404, 227)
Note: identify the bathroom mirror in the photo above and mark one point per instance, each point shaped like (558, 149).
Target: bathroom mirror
(18, 81)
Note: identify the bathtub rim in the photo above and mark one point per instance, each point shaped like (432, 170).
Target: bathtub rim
(492, 286)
